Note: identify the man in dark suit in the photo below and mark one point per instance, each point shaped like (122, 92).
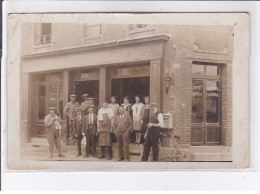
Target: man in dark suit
(122, 127)
(77, 123)
(90, 130)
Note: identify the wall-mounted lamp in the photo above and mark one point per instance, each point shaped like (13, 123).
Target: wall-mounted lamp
(167, 79)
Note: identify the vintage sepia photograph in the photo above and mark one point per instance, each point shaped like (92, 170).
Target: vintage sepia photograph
(138, 91)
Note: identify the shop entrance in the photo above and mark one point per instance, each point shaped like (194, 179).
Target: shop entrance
(130, 87)
(130, 81)
(87, 87)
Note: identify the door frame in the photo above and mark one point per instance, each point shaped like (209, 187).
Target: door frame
(204, 125)
(36, 122)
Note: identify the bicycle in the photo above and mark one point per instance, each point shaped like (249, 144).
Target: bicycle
(180, 152)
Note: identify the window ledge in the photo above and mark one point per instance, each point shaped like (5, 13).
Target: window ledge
(39, 46)
(139, 30)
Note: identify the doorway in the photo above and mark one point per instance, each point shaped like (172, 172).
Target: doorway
(206, 104)
(87, 87)
(130, 87)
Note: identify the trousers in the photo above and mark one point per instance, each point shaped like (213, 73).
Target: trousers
(109, 151)
(79, 139)
(151, 142)
(91, 143)
(54, 138)
(123, 144)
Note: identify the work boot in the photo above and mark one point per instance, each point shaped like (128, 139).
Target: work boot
(61, 155)
(102, 156)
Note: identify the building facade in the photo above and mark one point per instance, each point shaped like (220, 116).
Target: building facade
(186, 70)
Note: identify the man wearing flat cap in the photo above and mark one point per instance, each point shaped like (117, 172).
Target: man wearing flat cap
(85, 104)
(69, 109)
(52, 123)
(153, 133)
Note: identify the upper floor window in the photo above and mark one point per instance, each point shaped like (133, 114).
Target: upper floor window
(43, 33)
(136, 30)
(92, 30)
(135, 26)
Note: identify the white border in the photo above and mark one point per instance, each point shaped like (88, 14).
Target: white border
(244, 179)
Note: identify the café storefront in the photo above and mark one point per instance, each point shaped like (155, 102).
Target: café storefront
(190, 92)
(128, 67)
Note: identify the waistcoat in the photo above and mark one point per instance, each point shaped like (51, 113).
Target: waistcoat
(154, 131)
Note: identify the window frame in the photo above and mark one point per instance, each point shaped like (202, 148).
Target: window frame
(38, 34)
(205, 125)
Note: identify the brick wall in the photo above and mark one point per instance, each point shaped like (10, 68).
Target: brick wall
(182, 75)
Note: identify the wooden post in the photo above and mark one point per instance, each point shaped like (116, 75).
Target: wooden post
(156, 84)
(104, 85)
(66, 84)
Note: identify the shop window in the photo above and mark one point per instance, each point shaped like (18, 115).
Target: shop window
(197, 101)
(212, 101)
(43, 33)
(41, 99)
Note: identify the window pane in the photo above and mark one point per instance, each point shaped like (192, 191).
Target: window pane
(46, 28)
(212, 70)
(197, 101)
(53, 92)
(42, 97)
(212, 101)
(197, 69)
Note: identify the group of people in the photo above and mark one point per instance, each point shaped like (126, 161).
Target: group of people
(122, 121)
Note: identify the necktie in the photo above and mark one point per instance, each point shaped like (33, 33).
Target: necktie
(90, 118)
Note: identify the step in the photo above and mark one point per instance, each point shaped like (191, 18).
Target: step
(211, 149)
(206, 157)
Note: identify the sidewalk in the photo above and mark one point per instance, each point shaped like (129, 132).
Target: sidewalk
(39, 151)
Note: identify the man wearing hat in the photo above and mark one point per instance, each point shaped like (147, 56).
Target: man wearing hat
(89, 130)
(122, 126)
(84, 105)
(69, 109)
(77, 128)
(52, 123)
(91, 104)
(153, 133)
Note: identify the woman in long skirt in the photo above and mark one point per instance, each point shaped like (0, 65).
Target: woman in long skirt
(137, 109)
